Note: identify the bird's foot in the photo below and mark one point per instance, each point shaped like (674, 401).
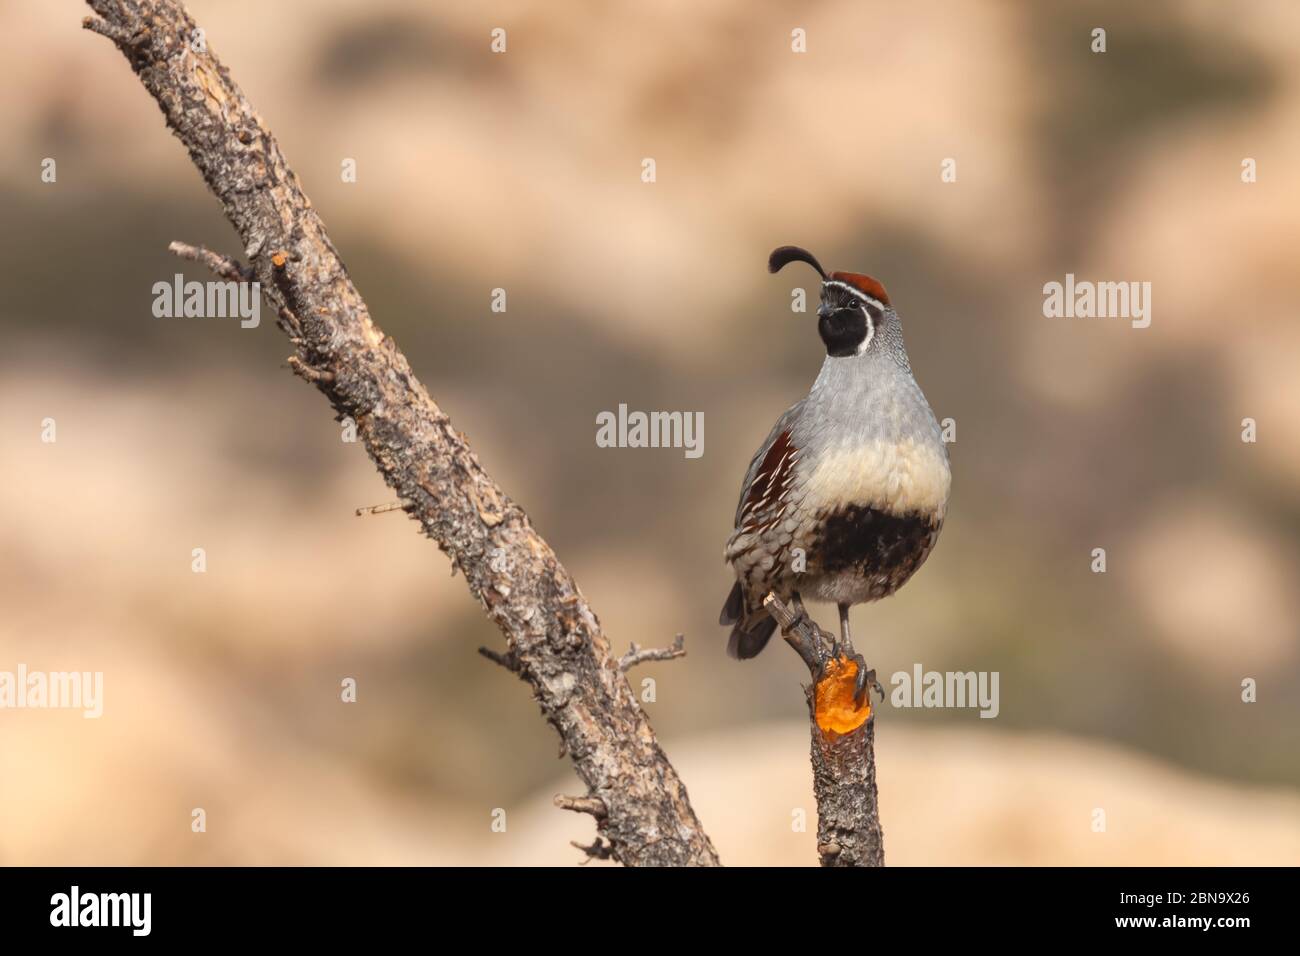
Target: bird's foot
(866, 678)
(841, 700)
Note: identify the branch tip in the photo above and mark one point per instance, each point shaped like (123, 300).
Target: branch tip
(592, 805)
(126, 38)
(223, 266)
(635, 655)
(600, 850)
(506, 660)
(105, 29)
(317, 376)
(810, 642)
(400, 505)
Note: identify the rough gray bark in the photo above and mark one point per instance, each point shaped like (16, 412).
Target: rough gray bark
(554, 641)
(844, 765)
(844, 780)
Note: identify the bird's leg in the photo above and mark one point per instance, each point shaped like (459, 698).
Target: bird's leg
(843, 640)
(866, 675)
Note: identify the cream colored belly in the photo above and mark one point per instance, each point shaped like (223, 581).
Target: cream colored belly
(898, 478)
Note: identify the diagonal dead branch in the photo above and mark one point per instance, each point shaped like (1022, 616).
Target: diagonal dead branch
(551, 632)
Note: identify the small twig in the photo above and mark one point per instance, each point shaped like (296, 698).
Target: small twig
(506, 660)
(125, 39)
(636, 655)
(313, 375)
(105, 29)
(220, 265)
(290, 324)
(593, 805)
(399, 505)
(600, 850)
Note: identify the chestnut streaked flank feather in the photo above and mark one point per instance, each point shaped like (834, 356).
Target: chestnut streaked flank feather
(770, 485)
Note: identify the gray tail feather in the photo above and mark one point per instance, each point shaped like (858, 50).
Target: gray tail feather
(734, 608)
(746, 644)
(743, 643)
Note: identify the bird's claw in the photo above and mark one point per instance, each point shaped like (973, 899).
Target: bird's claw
(866, 677)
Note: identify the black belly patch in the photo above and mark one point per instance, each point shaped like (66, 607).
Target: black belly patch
(875, 544)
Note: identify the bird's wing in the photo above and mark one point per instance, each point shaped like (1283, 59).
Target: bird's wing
(770, 473)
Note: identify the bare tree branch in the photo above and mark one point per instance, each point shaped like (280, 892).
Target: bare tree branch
(843, 744)
(554, 639)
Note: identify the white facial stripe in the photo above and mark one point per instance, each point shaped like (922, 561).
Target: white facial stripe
(871, 334)
(856, 292)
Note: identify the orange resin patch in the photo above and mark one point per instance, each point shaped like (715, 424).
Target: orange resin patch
(836, 710)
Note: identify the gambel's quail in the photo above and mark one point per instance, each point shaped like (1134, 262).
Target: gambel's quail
(846, 497)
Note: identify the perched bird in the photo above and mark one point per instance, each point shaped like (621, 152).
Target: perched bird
(845, 499)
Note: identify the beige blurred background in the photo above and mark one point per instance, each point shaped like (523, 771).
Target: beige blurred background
(1119, 691)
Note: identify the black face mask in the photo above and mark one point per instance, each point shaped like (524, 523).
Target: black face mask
(843, 330)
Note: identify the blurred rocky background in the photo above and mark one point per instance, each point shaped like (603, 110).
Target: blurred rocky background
(522, 171)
